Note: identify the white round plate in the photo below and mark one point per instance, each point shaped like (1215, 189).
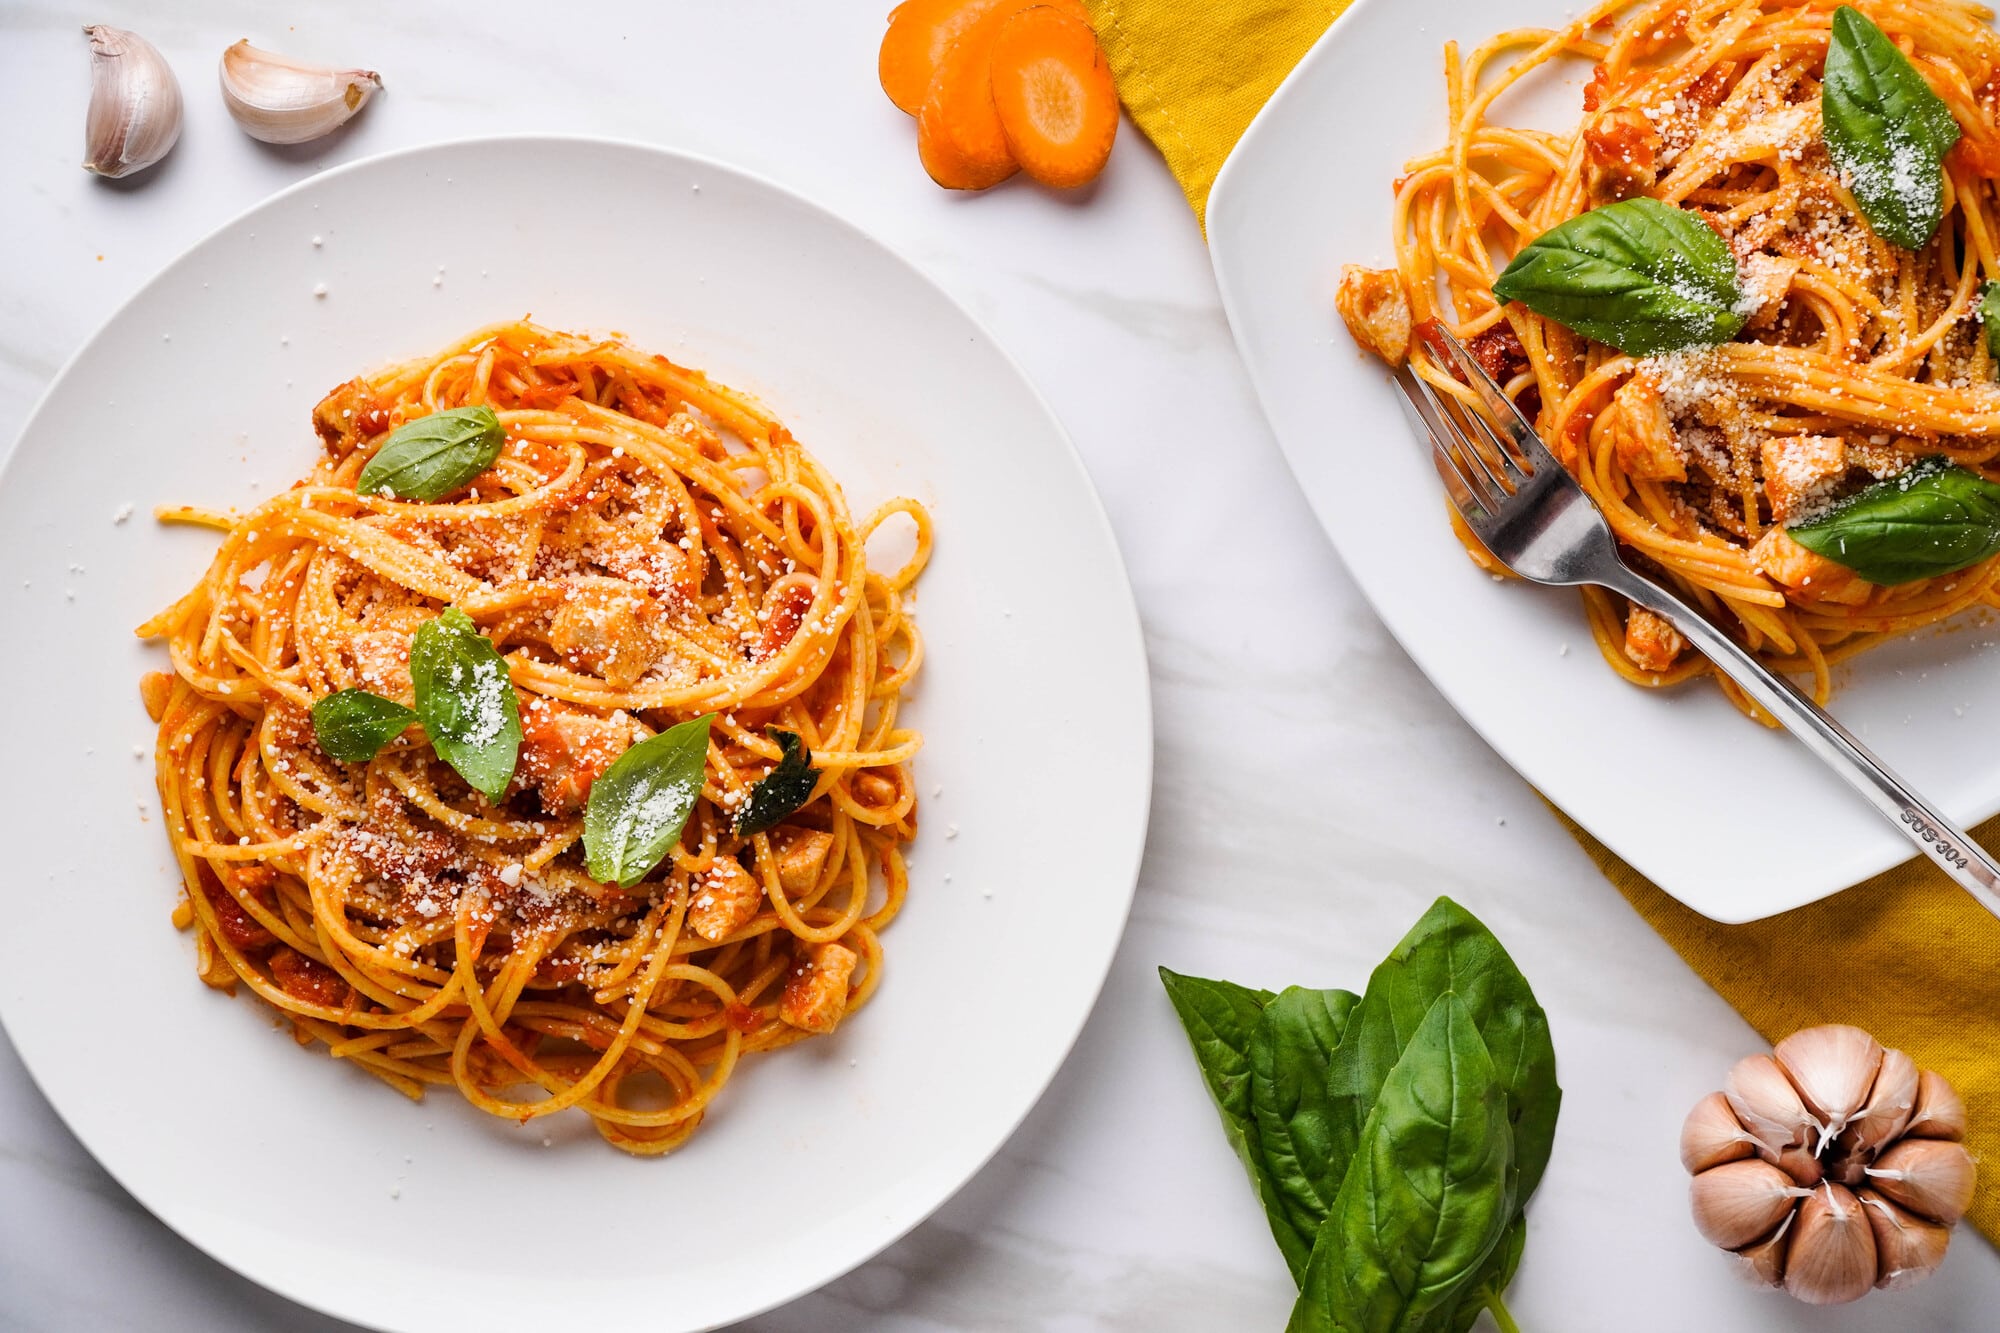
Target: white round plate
(309, 1176)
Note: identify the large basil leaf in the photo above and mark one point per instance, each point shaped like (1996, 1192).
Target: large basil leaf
(1493, 1278)
(1449, 950)
(1886, 130)
(1220, 1018)
(1989, 316)
(1640, 275)
(639, 805)
(784, 789)
(466, 700)
(354, 725)
(1426, 1198)
(1295, 1039)
(1937, 518)
(429, 458)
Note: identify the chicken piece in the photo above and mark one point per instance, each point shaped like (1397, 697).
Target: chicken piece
(815, 996)
(348, 417)
(1621, 153)
(564, 749)
(608, 626)
(1651, 641)
(1766, 280)
(874, 789)
(309, 981)
(725, 900)
(1644, 437)
(655, 564)
(380, 662)
(1807, 577)
(801, 854)
(156, 690)
(1376, 309)
(1800, 472)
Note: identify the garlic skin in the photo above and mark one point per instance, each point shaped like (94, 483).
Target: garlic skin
(1908, 1248)
(1764, 1262)
(1738, 1203)
(1939, 1113)
(281, 100)
(135, 103)
(1886, 1114)
(1832, 1257)
(1833, 1067)
(1712, 1135)
(1932, 1177)
(1767, 1104)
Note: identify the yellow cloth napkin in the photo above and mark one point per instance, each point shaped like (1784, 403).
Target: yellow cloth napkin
(1906, 955)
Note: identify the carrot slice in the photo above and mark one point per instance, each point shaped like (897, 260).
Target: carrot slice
(921, 31)
(1052, 89)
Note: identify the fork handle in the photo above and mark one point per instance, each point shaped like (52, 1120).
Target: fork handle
(1936, 836)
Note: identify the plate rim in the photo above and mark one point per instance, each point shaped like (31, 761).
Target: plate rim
(1130, 622)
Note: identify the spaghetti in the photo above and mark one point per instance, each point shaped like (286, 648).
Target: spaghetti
(649, 547)
(1858, 357)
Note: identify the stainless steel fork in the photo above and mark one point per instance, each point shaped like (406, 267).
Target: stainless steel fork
(1527, 510)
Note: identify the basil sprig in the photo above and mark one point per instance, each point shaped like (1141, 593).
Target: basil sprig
(429, 458)
(466, 701)
(638, 807)
(1640, 275)
(353, 725)
(1937, 518)
(1886, 130)
(1989, 316)
(1394, 1139)
(784, 789)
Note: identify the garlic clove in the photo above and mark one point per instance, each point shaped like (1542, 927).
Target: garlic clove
(1802, 1165)
(1939, 1113)
(1767, 1104)
(135, 103)
(1888, 1109)
(281, 100)
(1833, 1066)
(1764, 1262)
(1908, 1248)
(1712, 1135)
(1738, 1203)
(1931, 1177)
(1832, 1257)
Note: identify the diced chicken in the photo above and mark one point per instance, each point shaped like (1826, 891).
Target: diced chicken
(1807, 577)
(1376, 309)
(801, 856)
(874, 789)
(1766, 280)
(1651, 641)
(725, 900)
(564, 749)
(155, 689)
(815, 996)
(1643, 437)
(608, 626)
(348, 417)
(664, 570)
(307, 980)
(1800, 472)
(380, 661)
(1621, 153)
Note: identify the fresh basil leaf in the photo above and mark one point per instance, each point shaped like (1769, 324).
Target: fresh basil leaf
(429, 458)
(1936, 518)
(1493, 1278)
(466, 700)
(1426, 1199)
(1886, 130)
(1220, 1018)
(639, 805)
(784, 789)
(1449, 950)
(1989, 316)
(1640, 275)
(354, 725)
(1294, 1041)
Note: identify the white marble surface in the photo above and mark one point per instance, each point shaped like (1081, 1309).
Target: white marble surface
(1312, 792)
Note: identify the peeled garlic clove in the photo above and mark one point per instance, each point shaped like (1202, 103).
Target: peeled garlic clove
(1930, 1177)
(1908, 1248)
(1888, 1109)
(1939, 1113)
(1832, 1256)
(281, 100)
(1764, 1262)
(1738, 1203)
(1767, 1104)
(1833, 1066)
(135, 103)
(1712, 1135)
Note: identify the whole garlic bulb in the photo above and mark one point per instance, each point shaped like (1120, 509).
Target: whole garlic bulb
(1830, 1167)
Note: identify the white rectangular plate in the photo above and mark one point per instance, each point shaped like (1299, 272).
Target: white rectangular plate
(1732, 819)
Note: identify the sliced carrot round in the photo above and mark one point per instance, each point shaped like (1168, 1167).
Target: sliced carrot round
(921, 31)
(1053, 93)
